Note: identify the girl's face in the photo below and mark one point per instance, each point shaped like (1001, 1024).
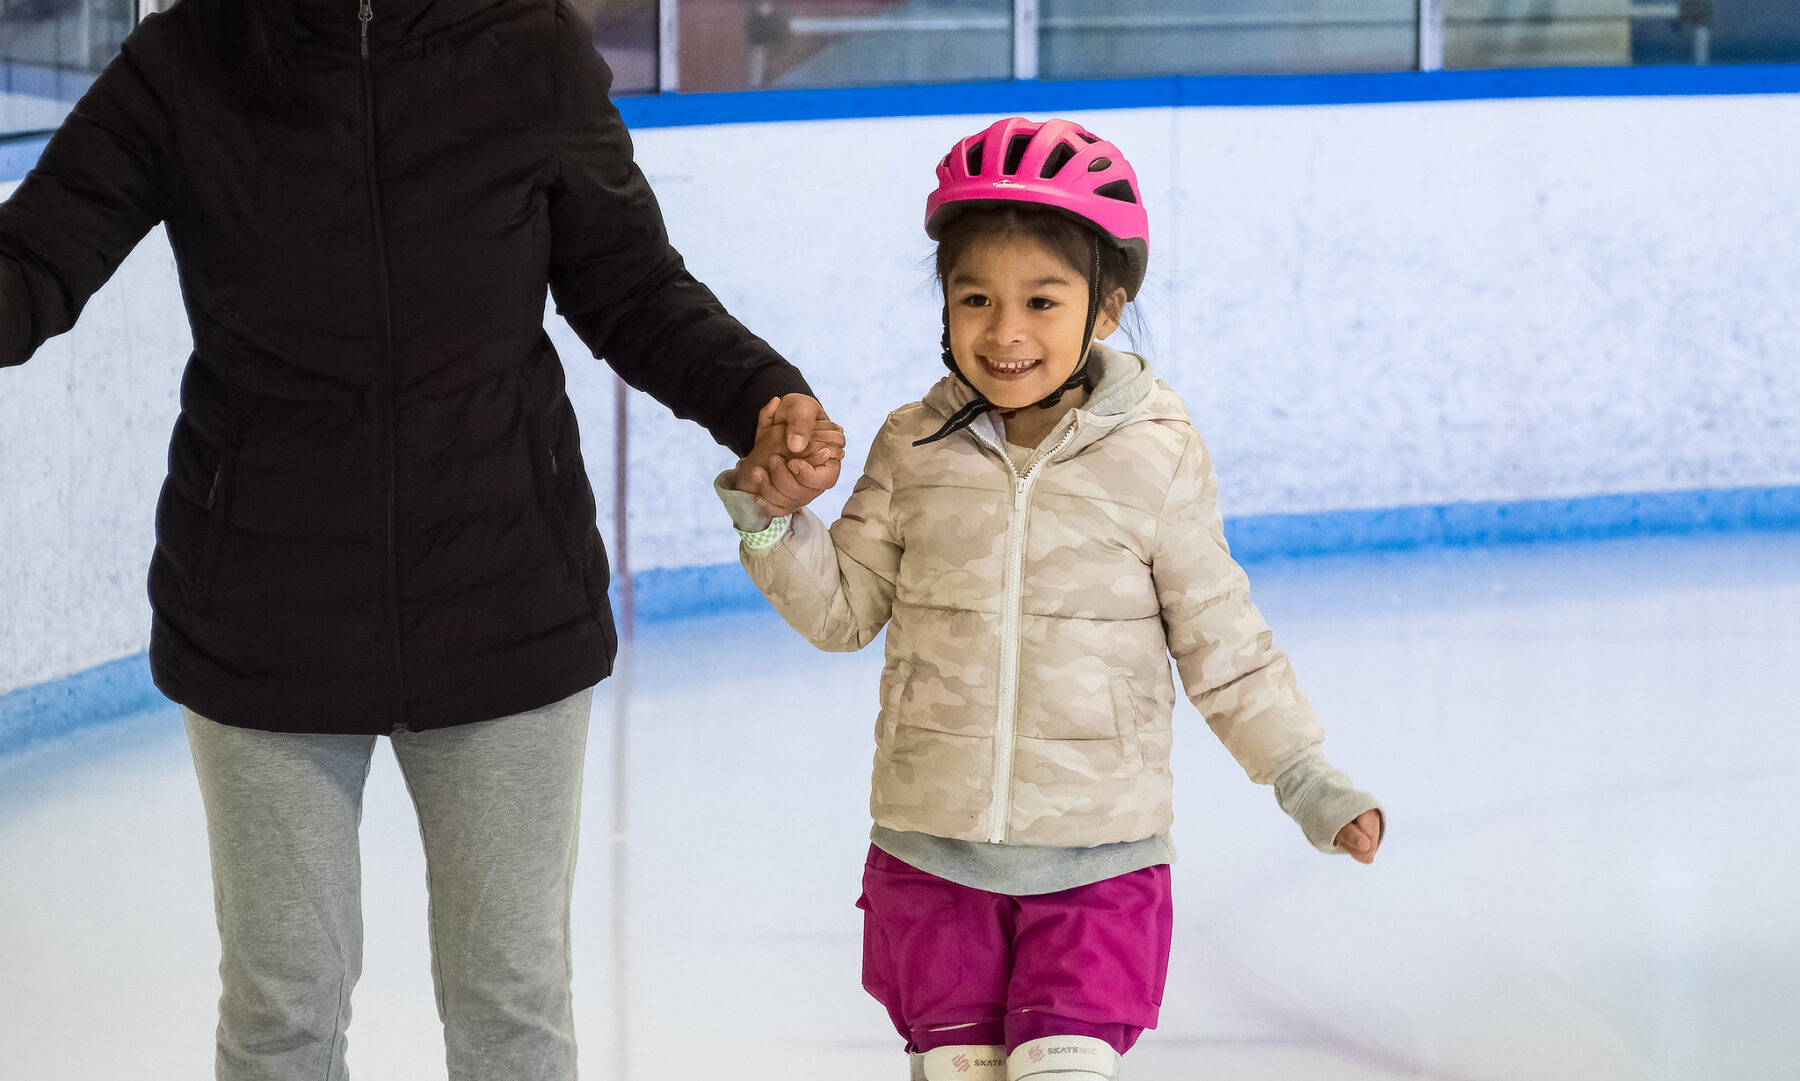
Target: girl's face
(1016, 316)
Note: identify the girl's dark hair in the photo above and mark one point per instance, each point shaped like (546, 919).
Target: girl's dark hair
(1067, 238)
(251, 40)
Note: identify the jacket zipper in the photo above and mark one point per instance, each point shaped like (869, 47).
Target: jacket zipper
(389, 418)
(1005, 723)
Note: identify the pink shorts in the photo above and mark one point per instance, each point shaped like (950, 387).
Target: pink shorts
(957, 965)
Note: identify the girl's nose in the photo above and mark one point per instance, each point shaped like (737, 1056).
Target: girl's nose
(1008, 327)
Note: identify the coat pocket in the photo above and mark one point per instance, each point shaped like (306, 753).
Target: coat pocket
(549, 476)
(1125, 715)
(219, 497)
(893, 688)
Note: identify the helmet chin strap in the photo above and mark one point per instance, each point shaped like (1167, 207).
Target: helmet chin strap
(1082, 376)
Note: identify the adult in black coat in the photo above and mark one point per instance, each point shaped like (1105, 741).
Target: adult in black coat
(376, 514)
(376, 518)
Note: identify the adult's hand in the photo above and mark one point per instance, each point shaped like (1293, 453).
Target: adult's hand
(797, 456)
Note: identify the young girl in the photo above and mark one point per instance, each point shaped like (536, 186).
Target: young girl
(1038, 535)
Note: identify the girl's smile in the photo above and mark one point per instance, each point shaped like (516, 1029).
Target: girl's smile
(1009, 369)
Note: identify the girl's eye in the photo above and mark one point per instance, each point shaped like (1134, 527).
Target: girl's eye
(973, 300)
(1041, 303)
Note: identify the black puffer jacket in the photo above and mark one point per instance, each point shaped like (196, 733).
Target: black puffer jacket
(376, 513)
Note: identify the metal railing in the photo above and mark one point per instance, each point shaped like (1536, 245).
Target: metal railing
(1028, 24)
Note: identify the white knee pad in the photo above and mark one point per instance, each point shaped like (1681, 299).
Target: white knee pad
(961, 1062)
(1064, 1058)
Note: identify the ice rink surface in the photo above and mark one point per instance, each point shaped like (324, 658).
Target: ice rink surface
(1587, 753)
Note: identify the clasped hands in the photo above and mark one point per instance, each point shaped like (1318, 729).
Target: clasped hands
(796, 458)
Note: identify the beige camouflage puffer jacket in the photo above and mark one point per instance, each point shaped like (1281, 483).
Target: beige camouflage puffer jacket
(1026, 697)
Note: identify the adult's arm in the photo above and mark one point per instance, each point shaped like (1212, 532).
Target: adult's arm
(93, 195)
(620, 284)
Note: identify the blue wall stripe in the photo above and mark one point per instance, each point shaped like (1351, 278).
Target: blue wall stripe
(681, 110)
(120, 688)
(687, 110)
(42, 81)
(19, 153)
(47, 710)
(1461, 525)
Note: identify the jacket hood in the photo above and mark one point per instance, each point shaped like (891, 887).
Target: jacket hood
(1127, 391)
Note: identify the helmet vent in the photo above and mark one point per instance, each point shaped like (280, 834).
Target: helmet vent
(1099, 165)
(1015, 150)
(1118, 189)
(1089, 138)
(975, 160)
(1057, 159)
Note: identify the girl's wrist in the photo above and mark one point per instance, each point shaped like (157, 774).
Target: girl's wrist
(767, 537)
(1321, 800)
(746, 514)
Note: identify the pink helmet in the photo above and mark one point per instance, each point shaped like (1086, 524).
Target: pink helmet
(1056, 164)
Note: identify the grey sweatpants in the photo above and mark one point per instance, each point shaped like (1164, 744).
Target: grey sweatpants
(498, 805)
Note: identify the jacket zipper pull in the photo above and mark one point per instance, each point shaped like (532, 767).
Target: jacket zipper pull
(365, 16)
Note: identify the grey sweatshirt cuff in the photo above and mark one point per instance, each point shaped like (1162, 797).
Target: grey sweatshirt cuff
(745, 514)
(1321, 799)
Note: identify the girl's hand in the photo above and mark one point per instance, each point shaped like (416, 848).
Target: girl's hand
(796, 458)
(1363, 836)
(827, 446)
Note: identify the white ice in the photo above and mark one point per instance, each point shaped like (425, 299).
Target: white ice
(1587, 753)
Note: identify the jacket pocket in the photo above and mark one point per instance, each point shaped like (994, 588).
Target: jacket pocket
(218, 521)
(893, 689)
(1125, 715)
(547, 475)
